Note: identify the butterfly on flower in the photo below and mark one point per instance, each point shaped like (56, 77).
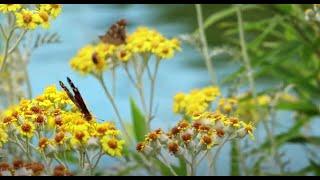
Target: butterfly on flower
(116, 34)
(76, 98)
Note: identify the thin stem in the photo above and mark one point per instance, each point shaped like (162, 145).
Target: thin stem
(6, 50)
(59, 160)
(98, 159)
(138, 86)
(113, 70)
(115, 108)
(214, 160)
(152, 90)
(28, 82)
(244, 52)
(204, 45)
(168, 164)
(193, 165)
(17, 42)
(5, 37)
(89, 161)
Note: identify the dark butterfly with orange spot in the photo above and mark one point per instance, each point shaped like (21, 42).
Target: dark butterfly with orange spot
(116, 34)
(76, 98)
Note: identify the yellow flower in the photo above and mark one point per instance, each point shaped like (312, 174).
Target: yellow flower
(263, 100)
(102, 129)
(124, 55)
(59, 138)
(43, 143)
(53, 9)
(248, 128)
(112, 146)
(165, 50)
(27, 19)
(88, 60)
(3, 135)
(9, 7)
(80, 137)
(207, 140)
(196, 101)
(45, 19)
(27, 129)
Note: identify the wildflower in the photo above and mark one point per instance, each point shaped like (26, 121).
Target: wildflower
(53, 9)
(44, 19)
(43, 143)
(4, 8)
(124, 55)
(195, 102)
(207, 141)
(27, 129)
(59, 138)
(174, 148)
(80, 137)
(112, 146)
(263, 100)
(27, 19)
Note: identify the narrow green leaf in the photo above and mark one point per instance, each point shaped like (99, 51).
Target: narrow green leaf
(138, 120)
(215, 17)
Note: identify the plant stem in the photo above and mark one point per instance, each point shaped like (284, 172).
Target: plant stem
(6, 50)
(193, 165)
(15, 45)
(204, 45)
(115, 108)
(153, 78)
(244, 52)
(98, 159)
(28, 82)
(215, 157)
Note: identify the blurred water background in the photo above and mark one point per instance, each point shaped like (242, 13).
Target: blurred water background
(79, 25)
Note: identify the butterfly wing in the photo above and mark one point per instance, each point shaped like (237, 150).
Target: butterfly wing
(78, 98)
(116, 34)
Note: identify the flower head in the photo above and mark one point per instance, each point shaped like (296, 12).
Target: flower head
(112, 146)
(27, 19)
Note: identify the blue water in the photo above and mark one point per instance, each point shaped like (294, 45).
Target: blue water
(79, 25)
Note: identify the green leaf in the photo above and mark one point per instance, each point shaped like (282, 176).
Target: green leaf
(139, 122)
(300, 106)
(315, 167)
(165, 171)
(182, 169)
(305, 140)
(215, 17)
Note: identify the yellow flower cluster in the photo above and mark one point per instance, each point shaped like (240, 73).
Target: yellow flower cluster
(52, 120)
(197, 101)
(206, 131)
(29, 19)
(145, 40)
(93, 59)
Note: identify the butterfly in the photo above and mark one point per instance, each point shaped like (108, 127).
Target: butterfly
(116, 34)
(76, 98)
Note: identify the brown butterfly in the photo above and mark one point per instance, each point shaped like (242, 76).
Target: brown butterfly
(116, 34)
(76, 98)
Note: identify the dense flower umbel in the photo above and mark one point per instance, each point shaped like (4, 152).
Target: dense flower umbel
(52, 121)
(93, 59)
(206, 131)
(197, 101)
(29, 19)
